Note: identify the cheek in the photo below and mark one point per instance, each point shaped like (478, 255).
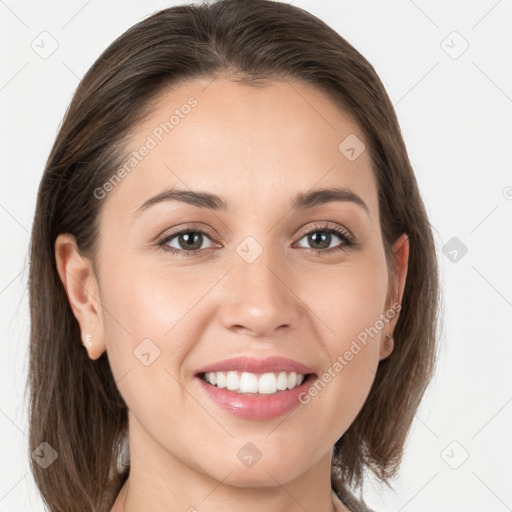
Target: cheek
(351, 305)
(147, 303)
(146, 340)
(152, 319)
(348, 301)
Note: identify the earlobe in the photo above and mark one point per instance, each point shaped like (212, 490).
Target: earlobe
(78, 278)
(386, 347)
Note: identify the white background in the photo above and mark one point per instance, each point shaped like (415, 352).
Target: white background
(455, 114)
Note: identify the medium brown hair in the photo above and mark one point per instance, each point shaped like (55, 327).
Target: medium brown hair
(75, 405)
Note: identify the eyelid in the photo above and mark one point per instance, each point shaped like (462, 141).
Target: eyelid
(183, 228)
(347, 238)
(304, 231)
(327, 225)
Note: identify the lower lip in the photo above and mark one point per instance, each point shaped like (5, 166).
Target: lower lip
(257, 407)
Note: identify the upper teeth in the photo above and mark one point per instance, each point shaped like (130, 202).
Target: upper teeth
(245, 382)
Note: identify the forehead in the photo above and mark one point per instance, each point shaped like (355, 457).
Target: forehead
(255, 146)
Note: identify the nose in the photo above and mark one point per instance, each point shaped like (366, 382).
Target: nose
(260, 298)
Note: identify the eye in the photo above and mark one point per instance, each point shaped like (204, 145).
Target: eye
(190, 241)
(321, 238)
(186, 242)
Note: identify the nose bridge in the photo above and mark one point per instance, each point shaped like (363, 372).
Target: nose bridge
(259, 299)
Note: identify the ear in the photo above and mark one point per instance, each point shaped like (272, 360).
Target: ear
(395, 291)
(79, 280)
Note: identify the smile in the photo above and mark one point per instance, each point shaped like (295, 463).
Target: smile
(255, 389)
(252, 383)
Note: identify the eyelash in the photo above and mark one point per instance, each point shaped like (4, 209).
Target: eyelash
(345, 236)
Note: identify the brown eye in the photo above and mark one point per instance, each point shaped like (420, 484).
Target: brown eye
(321, 239)
(186, 241)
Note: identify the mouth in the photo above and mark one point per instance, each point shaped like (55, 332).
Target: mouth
(257, 384)
(256, 389)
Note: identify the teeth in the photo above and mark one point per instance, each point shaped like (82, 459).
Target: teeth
(268, 384)
(249, 383)
(246, 382)
(221, 379)
(232, 381)
(282, 381)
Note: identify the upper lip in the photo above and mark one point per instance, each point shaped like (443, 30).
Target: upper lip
(255, 365)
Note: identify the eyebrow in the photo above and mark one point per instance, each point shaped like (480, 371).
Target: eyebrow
(301, 201)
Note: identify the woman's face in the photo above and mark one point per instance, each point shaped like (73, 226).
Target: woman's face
(249, 286)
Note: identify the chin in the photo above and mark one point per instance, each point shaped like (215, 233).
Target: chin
(261, 474)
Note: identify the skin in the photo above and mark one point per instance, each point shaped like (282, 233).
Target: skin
(256, 147)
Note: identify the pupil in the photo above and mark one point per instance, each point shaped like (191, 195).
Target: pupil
(190, 240)
(323, 238)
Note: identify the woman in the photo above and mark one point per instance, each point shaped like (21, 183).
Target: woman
(229, 224)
